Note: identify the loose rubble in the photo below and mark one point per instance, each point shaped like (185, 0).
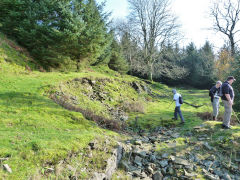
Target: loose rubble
(143, 160)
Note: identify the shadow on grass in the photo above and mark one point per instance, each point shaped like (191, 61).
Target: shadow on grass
(25, 99)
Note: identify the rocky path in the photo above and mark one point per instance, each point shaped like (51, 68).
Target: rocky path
(166, 154)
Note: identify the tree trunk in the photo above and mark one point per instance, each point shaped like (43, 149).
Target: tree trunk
(78, 65)
(232, 44)
(150, 71)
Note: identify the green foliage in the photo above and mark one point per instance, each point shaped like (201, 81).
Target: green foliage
(168, 67)
(200, 64)
(117, 61)
(236, 85)
(57, 32)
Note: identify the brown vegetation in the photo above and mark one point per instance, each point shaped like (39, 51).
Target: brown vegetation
(100, 120)
(207, 116)
(134, 106)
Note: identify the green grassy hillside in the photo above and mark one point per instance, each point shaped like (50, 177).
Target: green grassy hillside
(37, 134)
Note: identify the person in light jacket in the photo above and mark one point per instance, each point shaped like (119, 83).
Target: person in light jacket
(214, 93)
(177, 111)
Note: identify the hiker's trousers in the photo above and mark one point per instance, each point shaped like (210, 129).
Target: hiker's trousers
(178, 111)
(215, 105)
(227, 113)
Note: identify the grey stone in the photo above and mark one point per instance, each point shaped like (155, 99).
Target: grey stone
(226, 177)
(210, 176)
(197, 158)
(190, 167)
(144, 175)
(172, 145)
(153, 158)
(124, 165)
(137, 87)
(150, 170)
(7, 168)
(92, 145)
(172, 158)
(147, 178)
(138, 142)
(211, 157)
(206, 145)
(49, 170)
(175, 135)
(164, 171)
(208, 164)
(140, 153)
(189, 174)
(170, 171)
(218, 172)
(113, 161)
(136, 178)
(237, 177)
(182, 161)
(153, 166)
(152, 139)
(138, 161)
(98, 176)
(90, 155)
(163, 163)
(137, 173)
(165, 156)
(123, 118)
(189, 134)
(167, 178)
(158, 176)
(178, 166)
(70, 168)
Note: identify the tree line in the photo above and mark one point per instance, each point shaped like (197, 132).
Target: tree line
(60, 34)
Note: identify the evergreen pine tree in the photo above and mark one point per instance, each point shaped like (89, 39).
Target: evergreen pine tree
(117, 61)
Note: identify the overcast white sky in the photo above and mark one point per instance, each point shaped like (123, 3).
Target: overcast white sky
(192, 14)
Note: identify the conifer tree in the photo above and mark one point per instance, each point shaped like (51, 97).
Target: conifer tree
(117, 60)
(57, 32)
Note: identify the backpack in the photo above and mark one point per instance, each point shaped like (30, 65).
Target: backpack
(180, 100)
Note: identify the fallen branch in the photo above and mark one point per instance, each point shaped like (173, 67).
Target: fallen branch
(195, 106)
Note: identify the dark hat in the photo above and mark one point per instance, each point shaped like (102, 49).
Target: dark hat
(231, 78)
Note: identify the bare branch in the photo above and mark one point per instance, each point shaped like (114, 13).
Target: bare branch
(226, 19)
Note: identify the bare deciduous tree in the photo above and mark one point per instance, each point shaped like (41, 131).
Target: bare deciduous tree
(226, 16)
(155, 24)
(124, 32)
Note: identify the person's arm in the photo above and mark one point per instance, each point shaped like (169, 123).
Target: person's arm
(174, 98)
(229, 99)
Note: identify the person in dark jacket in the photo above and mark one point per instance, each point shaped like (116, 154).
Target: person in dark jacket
(228, 99)
(215, 97)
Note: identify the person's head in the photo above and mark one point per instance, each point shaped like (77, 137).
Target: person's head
(174, 91)
(218, 84)
(231, 79)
